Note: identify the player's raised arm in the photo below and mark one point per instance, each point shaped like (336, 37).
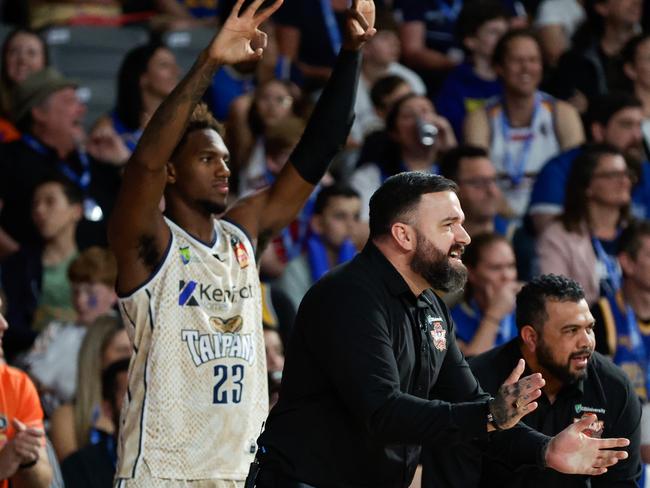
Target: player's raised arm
(137, 232)
(324, 136)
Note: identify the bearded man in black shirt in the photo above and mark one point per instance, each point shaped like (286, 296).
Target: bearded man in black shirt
(373, 370)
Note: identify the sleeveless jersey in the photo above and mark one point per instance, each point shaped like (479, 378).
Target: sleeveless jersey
(518, 153)
(197, 392)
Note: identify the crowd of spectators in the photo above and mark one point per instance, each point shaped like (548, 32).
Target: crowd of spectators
(538, 109)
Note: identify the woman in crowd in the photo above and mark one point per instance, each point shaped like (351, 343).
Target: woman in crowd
(23, 53)
(147, 75)
(583, 243)
(75, 425)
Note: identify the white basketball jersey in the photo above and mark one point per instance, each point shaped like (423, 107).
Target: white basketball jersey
(521, 149)
(197, 393)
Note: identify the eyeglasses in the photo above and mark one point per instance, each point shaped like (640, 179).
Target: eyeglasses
(480, 183)
(616, 175)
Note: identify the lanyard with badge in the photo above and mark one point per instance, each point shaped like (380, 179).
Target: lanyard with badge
(610, 281)
(333, 31)
(516, 169)
(92, 210)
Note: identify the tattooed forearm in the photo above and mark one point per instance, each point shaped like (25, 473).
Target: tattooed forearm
(166, 127)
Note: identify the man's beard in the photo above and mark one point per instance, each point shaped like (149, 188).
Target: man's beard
(561, 371)
(435, 266)
(212, 207)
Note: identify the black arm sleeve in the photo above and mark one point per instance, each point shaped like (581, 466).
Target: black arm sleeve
(330, 122)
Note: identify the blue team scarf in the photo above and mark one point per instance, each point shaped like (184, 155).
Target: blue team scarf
(317, 255)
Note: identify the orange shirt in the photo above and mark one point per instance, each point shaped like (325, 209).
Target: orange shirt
(8, 131)
(18, 400)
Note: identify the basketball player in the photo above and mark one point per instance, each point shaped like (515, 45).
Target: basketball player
(188, 282)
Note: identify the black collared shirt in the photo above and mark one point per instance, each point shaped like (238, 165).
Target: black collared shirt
(372, 373)
(605, 391)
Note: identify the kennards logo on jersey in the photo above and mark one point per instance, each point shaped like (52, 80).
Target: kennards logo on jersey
(195, 294)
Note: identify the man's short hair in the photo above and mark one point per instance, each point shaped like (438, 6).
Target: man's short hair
(450, 162)
(200, 119)
(399, 195)
(71, 191)
(474, 14)
(94, 265)
(328, 192)
(532, 298)
(474, 251)
(382, 88)
(630, 240)
(109, 378)
(604, 107)
(501, 49)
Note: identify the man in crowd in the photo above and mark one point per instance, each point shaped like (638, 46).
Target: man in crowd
(189, 284)
(479, 194)
(333, 225)
(50, 117)
(556, 339)
(374, 359)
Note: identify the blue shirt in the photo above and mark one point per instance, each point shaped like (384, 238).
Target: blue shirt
(467, 318)
(439, 17)
(550, 186)
(462, 92)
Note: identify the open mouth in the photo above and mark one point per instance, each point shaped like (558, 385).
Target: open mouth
(456, 252)
(580, 360)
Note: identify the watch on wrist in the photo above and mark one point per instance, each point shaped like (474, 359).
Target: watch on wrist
(490, 417)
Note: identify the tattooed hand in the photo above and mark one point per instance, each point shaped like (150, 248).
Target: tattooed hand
(516, 397)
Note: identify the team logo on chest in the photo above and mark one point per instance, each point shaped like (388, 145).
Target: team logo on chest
(241, 254)
(438, 334)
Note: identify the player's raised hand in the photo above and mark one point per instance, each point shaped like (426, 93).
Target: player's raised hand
(360, 25)
(574, 452)
(240, 38)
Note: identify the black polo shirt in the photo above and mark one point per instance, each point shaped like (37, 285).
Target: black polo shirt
(22, 168)
(373, 372)
(605, 391)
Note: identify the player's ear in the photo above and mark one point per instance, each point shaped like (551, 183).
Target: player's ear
(171, 173)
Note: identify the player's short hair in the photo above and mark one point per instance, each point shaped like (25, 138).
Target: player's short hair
(200, 119)
(399, 195)
(532, 298)
(94, 265)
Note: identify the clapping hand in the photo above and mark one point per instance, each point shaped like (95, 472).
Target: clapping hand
(574, 452)
(516, 397)
(240, 38)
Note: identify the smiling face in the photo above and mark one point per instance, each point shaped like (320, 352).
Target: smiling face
(566, 340)
(25, 55)
(440, 241)
(199, 175)
(521, 70)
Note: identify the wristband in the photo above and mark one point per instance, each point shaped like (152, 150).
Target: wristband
(490, 417)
